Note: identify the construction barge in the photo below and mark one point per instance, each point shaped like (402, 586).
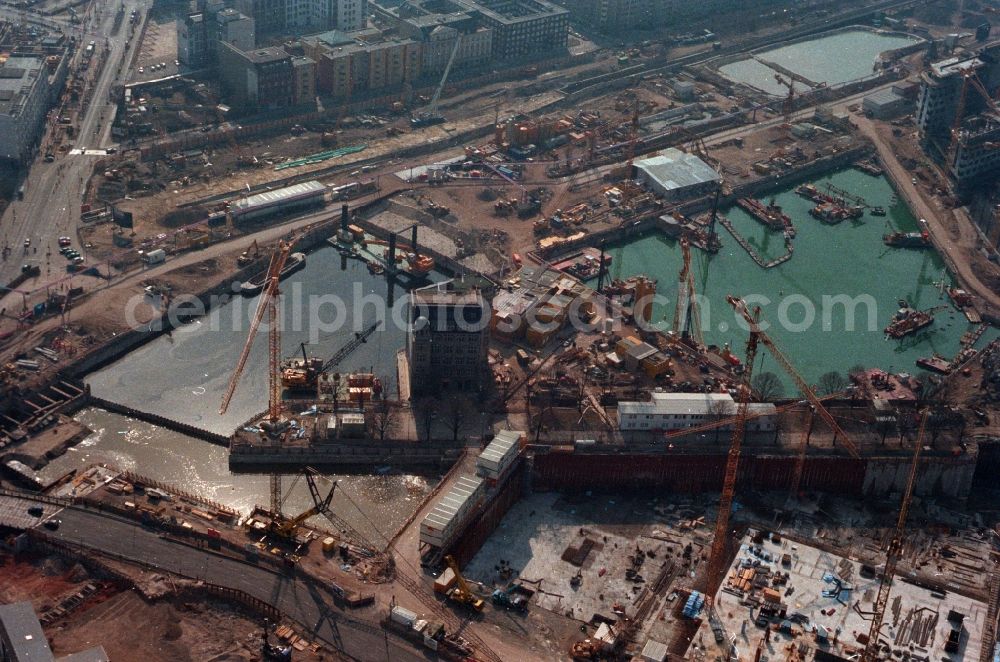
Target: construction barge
(907, 321)
(907, 239)
(830, 209)
(771, 215)
(256, 283)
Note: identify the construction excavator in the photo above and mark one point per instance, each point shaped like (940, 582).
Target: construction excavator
(461, 594)
(249, 255)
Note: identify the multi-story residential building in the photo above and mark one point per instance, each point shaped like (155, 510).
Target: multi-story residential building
(517, 28)
(259, 78)
(474, 48)
(304, 72)
(273, 16)
(25, 97)
(448, 338)
(362, 61)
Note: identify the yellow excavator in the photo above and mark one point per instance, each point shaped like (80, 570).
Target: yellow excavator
(462, 594)
(249, 255)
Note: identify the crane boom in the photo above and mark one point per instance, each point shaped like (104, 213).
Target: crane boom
(345, 351)
(717, 556)
(893, 553)
(266, 305)
(444, 78)
(740, 306)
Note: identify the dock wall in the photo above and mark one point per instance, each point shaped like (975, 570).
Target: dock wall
(565, 470)
(486, 522)
(359, 456)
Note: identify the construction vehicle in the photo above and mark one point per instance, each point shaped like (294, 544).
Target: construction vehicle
(509, 599)
(246, 257)
(893, 553)
(461, 594)
(288, 528)
(429, 116)
(587, 649)
(273, 652)
(302, 374)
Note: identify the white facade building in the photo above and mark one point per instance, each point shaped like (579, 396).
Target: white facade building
(676, 411)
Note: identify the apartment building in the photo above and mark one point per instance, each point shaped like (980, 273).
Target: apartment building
(259, 78)
(24, 100)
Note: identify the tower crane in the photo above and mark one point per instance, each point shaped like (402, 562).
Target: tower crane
(268, 304)
(717, 556)
(757, 336)
(894, 551)
(786, 105)
(804, 388)
(687, 320)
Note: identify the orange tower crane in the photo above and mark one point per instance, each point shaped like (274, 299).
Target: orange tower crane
(268, 305)
(717, 556)
(803, 387)
(894, 551)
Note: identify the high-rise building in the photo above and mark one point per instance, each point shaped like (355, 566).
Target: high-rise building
(941, 94)
(448, 338)
(198, 35)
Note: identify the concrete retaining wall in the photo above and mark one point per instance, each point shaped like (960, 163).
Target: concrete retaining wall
(162, 421)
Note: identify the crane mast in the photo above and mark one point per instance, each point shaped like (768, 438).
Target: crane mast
(894, 551)
(717, 556)
(268, 305)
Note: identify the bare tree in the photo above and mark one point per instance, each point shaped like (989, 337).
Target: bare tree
(457, 408)
(426, 411)
(831, 382)
(381, 418)
(768, 386)
(718, 411)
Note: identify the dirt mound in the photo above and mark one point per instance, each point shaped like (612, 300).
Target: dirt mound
(181, 217)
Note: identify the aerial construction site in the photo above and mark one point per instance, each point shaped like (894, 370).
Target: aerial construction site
(480, 330)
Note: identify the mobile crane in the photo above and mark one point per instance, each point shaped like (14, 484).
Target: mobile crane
(462, 594)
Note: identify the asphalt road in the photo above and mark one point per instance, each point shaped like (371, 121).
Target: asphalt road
(311, 606)
(53, 191)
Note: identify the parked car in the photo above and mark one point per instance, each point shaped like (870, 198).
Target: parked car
(52, 524)
(35, 511)
(65, 241)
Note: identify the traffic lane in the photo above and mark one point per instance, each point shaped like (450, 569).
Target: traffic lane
(303, 603)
